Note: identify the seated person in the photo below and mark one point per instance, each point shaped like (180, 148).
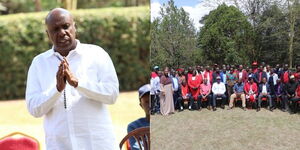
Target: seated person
(205, 89)
(251, 90)
(264, 91)
(184, 94)
(238, 90)
(218, 90)
(281, 94)
(292, 89)
(144, 93)
(194, 84)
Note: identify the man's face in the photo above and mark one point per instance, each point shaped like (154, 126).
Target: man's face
(240, 67)
(190, 69)
(144, 103)
(251, 80)
(198, 68)
(166, 72)
(61, 31)
(264, 80)
(217, 69)
(286, 66)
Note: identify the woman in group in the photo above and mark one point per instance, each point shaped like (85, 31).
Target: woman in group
(166, 94)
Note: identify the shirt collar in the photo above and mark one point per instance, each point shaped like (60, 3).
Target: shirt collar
(76, 50)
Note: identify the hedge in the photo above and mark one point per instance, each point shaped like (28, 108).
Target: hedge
(122, 32)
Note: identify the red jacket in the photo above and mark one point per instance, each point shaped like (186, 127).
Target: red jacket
(184, 90)
(210, 75)
(254, 87)
(244, 75)
(298, 91)
(194, 84)
(285, 77)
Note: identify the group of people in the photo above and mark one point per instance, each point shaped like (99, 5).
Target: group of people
(206, 86)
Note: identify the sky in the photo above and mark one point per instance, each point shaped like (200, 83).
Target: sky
(196, 9)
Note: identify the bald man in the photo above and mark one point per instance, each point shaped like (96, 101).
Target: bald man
(70, 86)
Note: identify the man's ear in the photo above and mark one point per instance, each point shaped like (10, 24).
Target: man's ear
(75, 26)
(141, 105)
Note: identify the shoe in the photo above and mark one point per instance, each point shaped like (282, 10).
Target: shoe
(209, 108)
(190, 107)
(222, 106)
(229, 108)
(214, 108)
(271, 109)
(200, 109)
(258, 109)
(244, 108)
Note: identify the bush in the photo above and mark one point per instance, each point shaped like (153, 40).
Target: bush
(122, 32)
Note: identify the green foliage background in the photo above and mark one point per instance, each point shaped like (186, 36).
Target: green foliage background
(122, 32)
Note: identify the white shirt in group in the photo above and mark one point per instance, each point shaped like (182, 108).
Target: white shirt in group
(86, 123)
(264, 89)
(155, 85)
(218, 88)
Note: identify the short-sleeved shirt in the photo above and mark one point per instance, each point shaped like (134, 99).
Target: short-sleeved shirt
(142, 122)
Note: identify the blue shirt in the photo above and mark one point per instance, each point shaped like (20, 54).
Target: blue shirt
(239, 88)
(142, 122)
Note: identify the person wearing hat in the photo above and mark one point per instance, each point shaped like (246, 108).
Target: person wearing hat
(144, 93)
(290, 89)
(238, 93)
(218, 90)
(281, 94)
(251, 91)
(254, 67)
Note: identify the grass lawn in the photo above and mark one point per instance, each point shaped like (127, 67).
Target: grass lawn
(15, 117)
(226, 129)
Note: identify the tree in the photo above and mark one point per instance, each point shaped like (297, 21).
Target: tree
(226, 36)
(173, 38)
(272, 35)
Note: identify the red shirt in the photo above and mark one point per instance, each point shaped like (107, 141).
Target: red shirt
(184, 90)
(298, 91)
(254, 87)
(194, 82)
(285, 77)
(208, 75)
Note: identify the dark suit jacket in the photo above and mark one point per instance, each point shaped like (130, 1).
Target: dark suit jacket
(256, 76)
(268, 88)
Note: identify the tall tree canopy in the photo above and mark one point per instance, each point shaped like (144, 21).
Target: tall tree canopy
(173, 38)
(226, 36)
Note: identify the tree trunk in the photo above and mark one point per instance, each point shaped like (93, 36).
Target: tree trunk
(292, 19)
(38, 6)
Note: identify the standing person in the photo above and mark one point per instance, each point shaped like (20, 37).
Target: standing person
(297, 73)
(218, 90)
(142, 122)
(285, 74)
(254, 67)
(176, 88)
(166, 94)
(238, 93)
(242, 74)
(208, 74)
(259, 75)
(155, 90)
(216, 74)
(251, 91)
(264, 91)
(70, 85)
(280, 93)
(231, 79)
(194, 84)
(181, 76)
(205, 90)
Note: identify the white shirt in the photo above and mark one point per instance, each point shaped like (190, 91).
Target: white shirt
(264, 89)
(218, 88)
(155, 85)
(86, 123)
(175, 83)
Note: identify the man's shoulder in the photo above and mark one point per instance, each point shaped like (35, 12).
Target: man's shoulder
(93, 48)
(42, 55)
(141, 122)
